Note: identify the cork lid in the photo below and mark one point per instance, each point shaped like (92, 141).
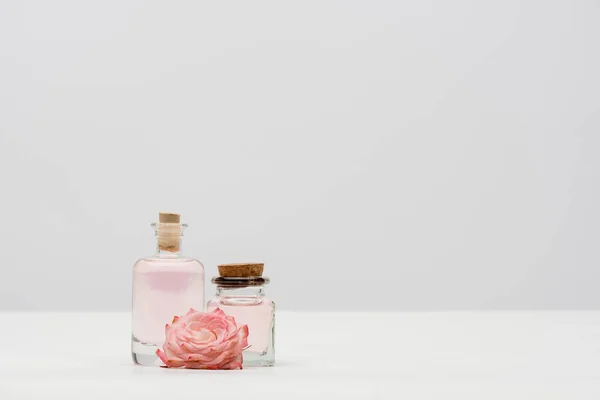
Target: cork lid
(241, 270)
(169, 232)
(166, 217)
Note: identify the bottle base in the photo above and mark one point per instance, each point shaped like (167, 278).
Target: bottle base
(259, 363)
(253, 359)
(144, 353)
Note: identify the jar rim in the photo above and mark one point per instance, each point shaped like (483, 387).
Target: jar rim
(240, 281)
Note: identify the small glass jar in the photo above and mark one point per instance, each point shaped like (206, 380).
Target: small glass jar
(244, 299)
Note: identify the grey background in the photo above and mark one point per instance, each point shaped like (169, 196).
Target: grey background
(414, 155)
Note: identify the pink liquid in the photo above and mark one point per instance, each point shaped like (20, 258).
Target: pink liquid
(257, 313)
(164, 288)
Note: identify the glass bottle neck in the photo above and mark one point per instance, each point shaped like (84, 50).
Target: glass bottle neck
(168, 239)
(175, 251)
(239, 292)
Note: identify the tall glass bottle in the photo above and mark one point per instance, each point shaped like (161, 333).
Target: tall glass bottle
(164, 285)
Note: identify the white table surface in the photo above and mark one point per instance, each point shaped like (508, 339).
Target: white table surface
(452, 355)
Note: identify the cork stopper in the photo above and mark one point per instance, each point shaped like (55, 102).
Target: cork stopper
(170, 218)
(242, 270)
(169, 232)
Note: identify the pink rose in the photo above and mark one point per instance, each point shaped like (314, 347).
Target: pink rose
(204, 341)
